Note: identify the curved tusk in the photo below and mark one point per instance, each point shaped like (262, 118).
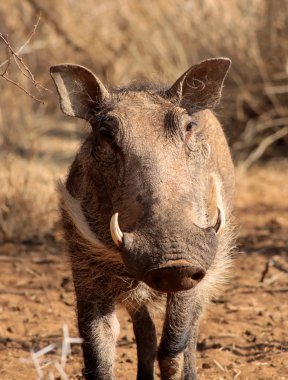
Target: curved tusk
(220, 221)
(116, 233)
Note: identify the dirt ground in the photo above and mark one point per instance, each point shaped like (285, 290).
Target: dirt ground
(243, 334)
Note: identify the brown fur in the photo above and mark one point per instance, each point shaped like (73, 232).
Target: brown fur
(160, 159)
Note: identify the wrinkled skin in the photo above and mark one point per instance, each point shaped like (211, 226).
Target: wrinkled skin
(159, 159)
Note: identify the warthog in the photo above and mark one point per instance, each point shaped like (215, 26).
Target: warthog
(146, 212)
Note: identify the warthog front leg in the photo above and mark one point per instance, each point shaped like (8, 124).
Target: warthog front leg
(178, 343)
(99, 328)
(146, 340)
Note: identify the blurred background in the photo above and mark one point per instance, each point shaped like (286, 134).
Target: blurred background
(121, 41)
(246, 328)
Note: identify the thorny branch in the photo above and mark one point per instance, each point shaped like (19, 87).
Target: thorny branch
(24, 69)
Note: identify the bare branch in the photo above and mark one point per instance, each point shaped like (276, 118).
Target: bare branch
(8, 62)
(24, 69)
(31, 35)
(25, 43)
(265, 143)
(22, 88)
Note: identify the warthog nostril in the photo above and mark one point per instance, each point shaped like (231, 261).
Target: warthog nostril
(198, 275)
(168, 278)
(157, 280)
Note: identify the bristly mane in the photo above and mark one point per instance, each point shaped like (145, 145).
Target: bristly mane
(142, 85)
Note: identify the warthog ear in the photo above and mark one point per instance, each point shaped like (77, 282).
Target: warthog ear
(80, 91)
(200, 86)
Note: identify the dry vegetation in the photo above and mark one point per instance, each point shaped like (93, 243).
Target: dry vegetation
(121, 41)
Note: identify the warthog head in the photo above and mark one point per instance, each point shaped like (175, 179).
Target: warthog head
(153, 160)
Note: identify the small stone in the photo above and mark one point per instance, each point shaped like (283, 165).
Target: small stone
(26, 346)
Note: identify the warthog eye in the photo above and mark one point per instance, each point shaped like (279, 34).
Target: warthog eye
(190, 126)
(104, 127)
(104, 146)
(106, 133)
(188, 133)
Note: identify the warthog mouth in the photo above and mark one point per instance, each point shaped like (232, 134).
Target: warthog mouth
(174, 276)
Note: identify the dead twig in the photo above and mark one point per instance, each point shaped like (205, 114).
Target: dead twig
(265, 270)
(24, 69)
(279, 266)
(219, 366)
(252, 350)
(254, 129)
(22, 88)
(19, 51)
(275, 264)
(265, 143)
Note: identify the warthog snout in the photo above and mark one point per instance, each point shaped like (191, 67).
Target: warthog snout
(174, 276)
(158, 264)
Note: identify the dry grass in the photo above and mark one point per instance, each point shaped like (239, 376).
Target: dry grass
(120, 40)
(27, 201)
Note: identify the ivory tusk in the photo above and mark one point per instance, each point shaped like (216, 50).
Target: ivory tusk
(220, 221)
(116, 233)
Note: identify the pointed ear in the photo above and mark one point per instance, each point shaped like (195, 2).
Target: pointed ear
(200, 87)
(80, 91)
